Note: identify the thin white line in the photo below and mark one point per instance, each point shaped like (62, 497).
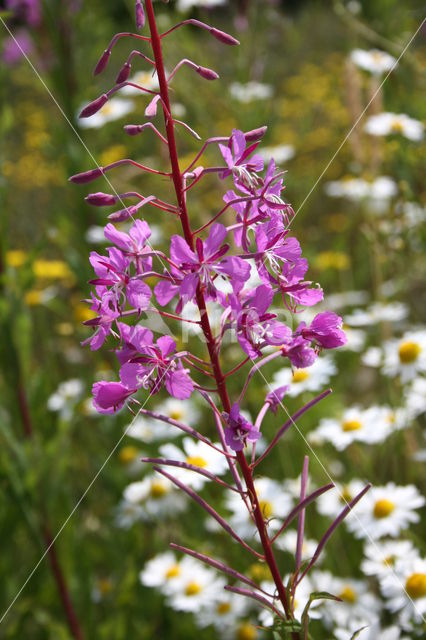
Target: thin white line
(77, 134)
(64, 524)
(341, 496)
(356, 122)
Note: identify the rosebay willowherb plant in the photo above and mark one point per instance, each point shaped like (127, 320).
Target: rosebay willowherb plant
(243, 267)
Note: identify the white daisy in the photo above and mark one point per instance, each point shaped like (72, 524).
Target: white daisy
(378, 312)
(346, 299)
(149, 430)
(415, 397)
(358, 606)
(95, 235)
(196, 589)
(405, 590)
(156, 496)
(380, 560)
(146, 79)
(164, 571)
(274, 501)
(369, 632)
(384, 124)
(250, 91)
(114, 109)
(385, 511)
(65, 397)
(333, 501)
(314, 378)
(405, 357)
(413, 214)
(224, 613)
(357, 425)
(355, 339)
(198, 454)
(185, 5)
(375, 194)
(374, 61)
(280, 153)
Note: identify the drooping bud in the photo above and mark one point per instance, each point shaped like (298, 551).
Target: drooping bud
(94, 106)
(223, 37)
(124, 73)
(123, 214)
(87, 176)
(140, 15)
(207, 74)
(255, 134)
(100, 199)
(102, 62)
(132, 129)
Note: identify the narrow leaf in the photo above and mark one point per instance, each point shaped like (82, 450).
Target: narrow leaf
(255, 596)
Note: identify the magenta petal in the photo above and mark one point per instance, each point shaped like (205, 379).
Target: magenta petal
(109, 397)
(216, 237)
(138, 294)
(179, 384)
(167, 345)
(165, 291)
(116, 237)
(180, 251)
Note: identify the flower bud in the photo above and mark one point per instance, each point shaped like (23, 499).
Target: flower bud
(255, 134)
(223, 37)
(86, 176)
(94, 106)
(132, 129)
(207, 74)
(123, 214)
(124, 73)
(100, 199)
(102, 62)
(140, 15)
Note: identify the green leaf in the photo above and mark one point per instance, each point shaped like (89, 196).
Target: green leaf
(316, 595)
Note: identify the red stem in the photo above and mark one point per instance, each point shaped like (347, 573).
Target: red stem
(205, 324)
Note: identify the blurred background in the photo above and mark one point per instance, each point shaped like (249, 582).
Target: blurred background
(361, 227)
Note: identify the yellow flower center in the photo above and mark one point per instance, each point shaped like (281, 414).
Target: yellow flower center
(348, 595)
(389, 561)
(246, 632)
(104, 586)
(223, 608)
(397, 126)
(158, 489)
(192, 588)
(106, 109)
(383, 508)
(266, 508)
(408, 352)
(53, 269)
(259, 572)
(173, 571)
(346, 495)
(128, 454)
(415, 585)
(351, 425)
(197, 461)
(300, 375)
(176, 414)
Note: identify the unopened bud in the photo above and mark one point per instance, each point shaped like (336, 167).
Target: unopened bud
(100, 199)
(102, 62)
(132, 129)
(223, 37)
(94, 107)
(255, 134)
(86, 176)
(123, 214)
(140, 15)
(207, 74)
(124, 73)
